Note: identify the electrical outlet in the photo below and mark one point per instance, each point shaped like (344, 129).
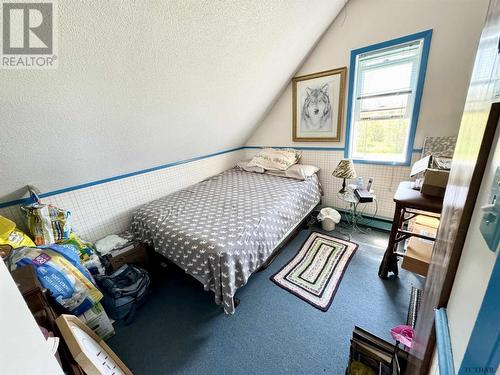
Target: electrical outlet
(490, 222)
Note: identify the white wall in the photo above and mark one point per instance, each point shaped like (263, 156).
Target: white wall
(143, 83)
(456, 25)
(23, 350)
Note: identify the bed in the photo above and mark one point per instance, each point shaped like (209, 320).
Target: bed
(226, 227)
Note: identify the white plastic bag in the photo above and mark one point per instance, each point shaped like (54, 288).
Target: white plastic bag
(328, 218)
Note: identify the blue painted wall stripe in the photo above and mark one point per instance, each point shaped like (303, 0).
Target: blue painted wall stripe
(306, 148)
(443, 341)
(164, 166)
(426, 36)
(311, 148)
(119, 177)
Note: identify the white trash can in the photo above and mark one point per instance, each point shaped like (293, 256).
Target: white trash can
(328, 218)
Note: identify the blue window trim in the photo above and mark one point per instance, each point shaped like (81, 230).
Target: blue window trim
(426, 36)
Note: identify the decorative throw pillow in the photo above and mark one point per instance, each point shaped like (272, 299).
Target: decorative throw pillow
(244, 165)
(297, 171)
(275, 160)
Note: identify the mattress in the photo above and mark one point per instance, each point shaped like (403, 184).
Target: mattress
(224, 228)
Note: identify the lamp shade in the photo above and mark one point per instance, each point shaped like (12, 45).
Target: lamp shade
(345, 169)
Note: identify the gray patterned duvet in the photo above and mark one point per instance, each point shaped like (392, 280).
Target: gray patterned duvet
(225, 227)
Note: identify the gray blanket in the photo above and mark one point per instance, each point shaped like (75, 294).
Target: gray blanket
(225, 227)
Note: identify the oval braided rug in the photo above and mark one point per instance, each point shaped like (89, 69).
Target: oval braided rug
(315, 272)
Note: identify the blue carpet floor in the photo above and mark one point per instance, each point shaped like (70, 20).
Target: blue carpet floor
(181, 331)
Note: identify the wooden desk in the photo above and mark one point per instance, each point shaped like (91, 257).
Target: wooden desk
(407, 201)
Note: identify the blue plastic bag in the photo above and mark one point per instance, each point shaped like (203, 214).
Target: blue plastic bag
(59, 270)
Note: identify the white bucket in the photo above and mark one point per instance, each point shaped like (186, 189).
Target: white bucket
(328, 224)
(328, 217)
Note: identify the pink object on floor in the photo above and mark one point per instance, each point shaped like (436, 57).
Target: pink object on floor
(403, 334)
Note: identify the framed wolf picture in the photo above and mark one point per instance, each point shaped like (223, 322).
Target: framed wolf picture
(318, 104)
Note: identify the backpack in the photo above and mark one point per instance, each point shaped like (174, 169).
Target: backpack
(124, 291)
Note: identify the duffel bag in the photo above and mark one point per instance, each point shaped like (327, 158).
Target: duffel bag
(124, 291)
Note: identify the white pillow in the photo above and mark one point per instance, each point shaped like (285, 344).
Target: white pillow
(244, 165)
(297, 171)
(275, 160)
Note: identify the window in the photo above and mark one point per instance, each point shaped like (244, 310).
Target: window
(386, 82)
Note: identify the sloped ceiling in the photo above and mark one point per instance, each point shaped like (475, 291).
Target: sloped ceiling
(143, 83)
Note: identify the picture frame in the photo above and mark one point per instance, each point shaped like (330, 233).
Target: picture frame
(318, 102)
(93, 355)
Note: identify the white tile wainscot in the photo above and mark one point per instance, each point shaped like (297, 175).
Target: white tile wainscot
(107, 208)
(386, 179)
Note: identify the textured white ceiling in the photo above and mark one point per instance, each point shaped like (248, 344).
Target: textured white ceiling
(142, 83)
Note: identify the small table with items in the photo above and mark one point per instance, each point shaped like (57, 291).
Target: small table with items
(412, 202)
(355, 216)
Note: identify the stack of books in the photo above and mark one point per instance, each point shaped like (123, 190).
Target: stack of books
(370, 351)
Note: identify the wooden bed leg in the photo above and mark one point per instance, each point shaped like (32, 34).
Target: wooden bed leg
(236, 302)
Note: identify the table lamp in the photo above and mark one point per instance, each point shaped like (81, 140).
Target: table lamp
(344, 170)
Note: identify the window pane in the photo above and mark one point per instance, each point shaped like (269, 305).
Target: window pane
(384, 107)
(382, 140)
(394, 54)
(386, 79)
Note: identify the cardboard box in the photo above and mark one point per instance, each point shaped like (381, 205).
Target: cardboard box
(427, 221)
(136, 253)
(421, 165)
(86, 348)
(419, 250)
(434, 180)
(97, 320)
(425, 225)
(425, 231)
(418, 256)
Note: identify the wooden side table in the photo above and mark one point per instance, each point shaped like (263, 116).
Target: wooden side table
(408, 201)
